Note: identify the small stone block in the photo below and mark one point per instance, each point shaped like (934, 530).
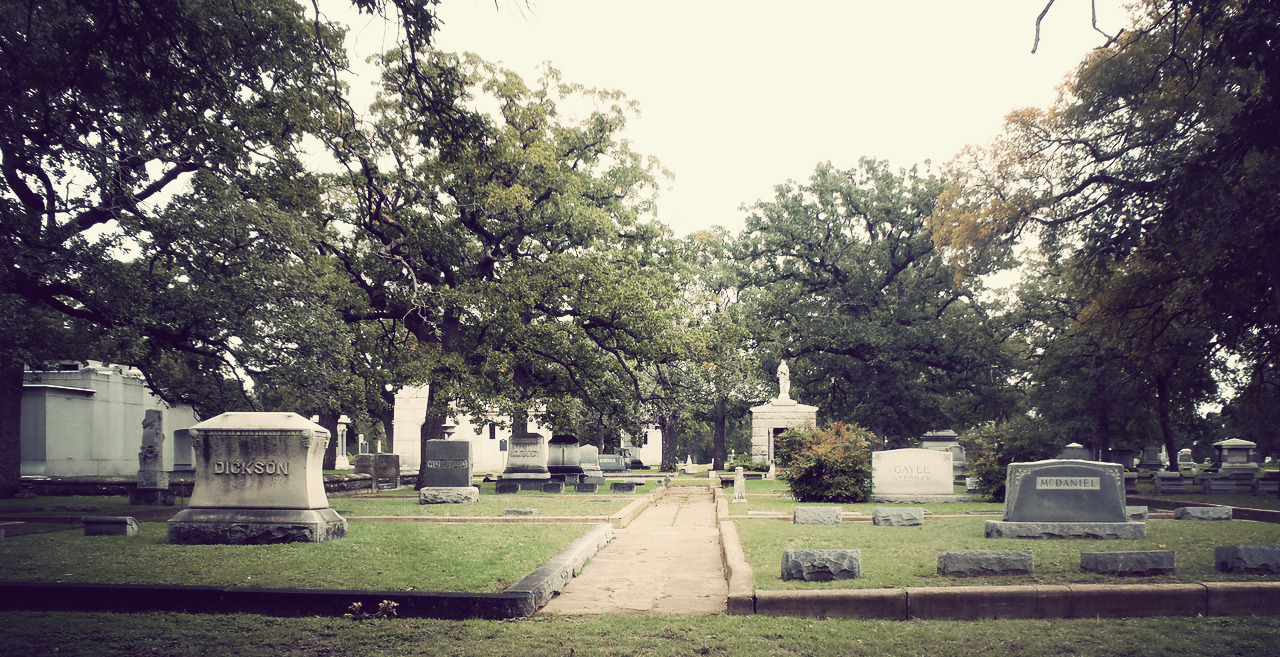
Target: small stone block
(887, 516)
(979, 563)
(1202, 513)
(587, 488)
(520, 512)
(508, 487)
(110, 526)
(1142, 563)
(816, 515)
(821, 565)
(448, 495)
(622, 487)
(1059, 530)
(553, 487)
(1136, 513)
(1251, 559)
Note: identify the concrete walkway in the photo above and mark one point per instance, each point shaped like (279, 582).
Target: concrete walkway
(667, 560)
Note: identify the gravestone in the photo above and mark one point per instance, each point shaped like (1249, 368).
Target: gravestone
(769, 420)
(1146, 563)
(1251, 559)
(110, 526)
(1168, 483)
(984, 563)
(897, 516)
(507, 487)
(622, 487)
(1266, 485)
(1202, 513)
(554, 487)
(153, 481)
(590, 487)
(1149, 459)
(1234, 456)
(258, 479)
(821, 565)
(564, 459)
(739, 486)
(447, 473)
(816, 515)
(1065, 499)
(613, 463)
(589, 459)
(913, 476)
(1075, 451)
(527, 461)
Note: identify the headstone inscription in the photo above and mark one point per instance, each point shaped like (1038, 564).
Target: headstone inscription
(1065, 499)
(912, 474)
(153, 481)
(447, 473)
(527, 461)
(258, 479)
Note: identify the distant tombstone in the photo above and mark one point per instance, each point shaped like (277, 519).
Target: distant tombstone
(555, 487)
(1065, 499)
(564, 458)
(897, 516)
(110, 526)
(1168, 483)
(508, 487)
(589, 459)
(622, 487)
(739, 486)
(258, 479)
(821, 565)
(613, 463)
(153, 481)
(911, 472)
(446, 473)
(1149, 459)
(590, 487)
(816, 515)
(1233, 456)
(1075, 451)
(527, 461)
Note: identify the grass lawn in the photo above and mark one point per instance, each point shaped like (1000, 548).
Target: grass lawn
(787, 506)
(490, 505)
(112, 635)
(395, 556)
(908, 556)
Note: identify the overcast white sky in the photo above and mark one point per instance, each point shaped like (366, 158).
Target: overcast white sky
(736, 97)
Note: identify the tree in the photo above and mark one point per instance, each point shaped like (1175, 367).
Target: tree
(514, 257)
(1158, 164)
(846, 280)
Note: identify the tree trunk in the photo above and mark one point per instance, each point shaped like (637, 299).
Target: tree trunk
(11, 376)
(719, 453)
(432, 429)
(1166, 427)
(329, 420)
(670, 429)
(387, 416)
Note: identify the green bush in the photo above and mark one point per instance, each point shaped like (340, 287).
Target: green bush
(826, 465)
(744, 461)
(989, 449)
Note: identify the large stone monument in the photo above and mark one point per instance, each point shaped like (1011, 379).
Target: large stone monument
(1233, 457)
(447, 473)
(153, 480)
(913, 476)
(259, 479)
(527, 461)
(1065, 499)
(769, 420)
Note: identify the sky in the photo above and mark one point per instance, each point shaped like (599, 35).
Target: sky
(737, 97)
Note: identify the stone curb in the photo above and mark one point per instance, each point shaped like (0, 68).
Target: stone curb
(550, 578)
(738, 572)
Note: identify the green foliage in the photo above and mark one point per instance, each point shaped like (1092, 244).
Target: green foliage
(744, 461)
(826, 465)
(990, 448)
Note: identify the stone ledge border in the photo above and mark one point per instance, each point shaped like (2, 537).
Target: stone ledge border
(520, 600)
(1031, 601)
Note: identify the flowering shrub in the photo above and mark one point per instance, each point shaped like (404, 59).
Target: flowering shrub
(826, 465)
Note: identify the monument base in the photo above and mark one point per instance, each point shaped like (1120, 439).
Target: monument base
(1092, 530)
(255, 526)
(920, 499)
(527, 480)
(448, 494)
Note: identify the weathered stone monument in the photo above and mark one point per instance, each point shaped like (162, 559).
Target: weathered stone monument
(771, 419)
(1065, 499)
(447, 473)
(1075, 451)
(258, 480)
(564, 459)
(153, 481)
(589, 459)
(1233, 457)
(527, 461)
(914, 476)
(739, 485)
